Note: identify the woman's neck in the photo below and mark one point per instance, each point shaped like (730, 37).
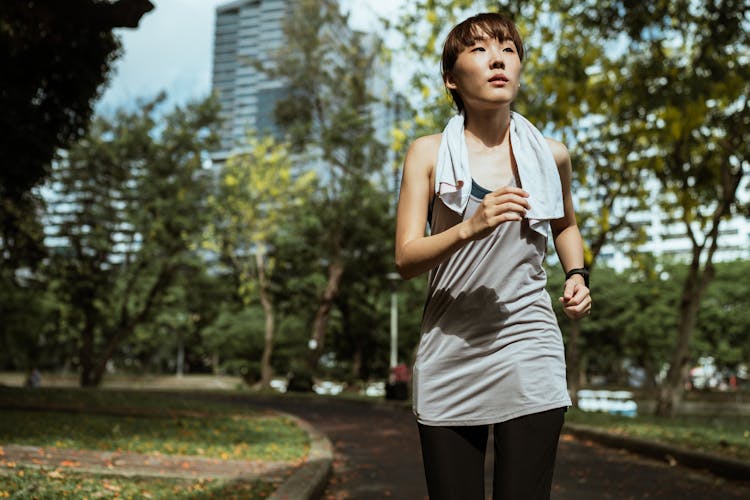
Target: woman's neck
(488, 128)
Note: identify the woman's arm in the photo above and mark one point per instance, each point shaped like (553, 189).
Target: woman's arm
(417, 253)
(568, 242)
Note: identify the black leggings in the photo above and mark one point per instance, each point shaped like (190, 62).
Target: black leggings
(525, 450)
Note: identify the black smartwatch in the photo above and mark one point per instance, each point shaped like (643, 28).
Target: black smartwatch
(580, 270)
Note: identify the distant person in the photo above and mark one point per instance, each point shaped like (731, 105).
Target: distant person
(493, 190)
(34, 379)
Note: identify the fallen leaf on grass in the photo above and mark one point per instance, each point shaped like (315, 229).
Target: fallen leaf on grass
(112, 487)
(8, 464)
(55, 474)
(70, 463)
(2, 452)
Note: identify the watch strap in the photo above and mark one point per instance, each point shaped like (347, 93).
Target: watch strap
(579, 270)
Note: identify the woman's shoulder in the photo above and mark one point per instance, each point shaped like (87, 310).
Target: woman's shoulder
(559, 152)
(423, 151)
(426, 144)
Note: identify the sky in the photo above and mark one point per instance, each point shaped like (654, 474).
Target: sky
(171, 50)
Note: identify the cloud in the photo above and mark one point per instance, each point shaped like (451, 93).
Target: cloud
(172, 50)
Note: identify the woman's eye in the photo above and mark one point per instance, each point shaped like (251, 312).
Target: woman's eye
(476, 49)
(508, 49)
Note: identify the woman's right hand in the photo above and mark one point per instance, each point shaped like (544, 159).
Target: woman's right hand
(505, 204)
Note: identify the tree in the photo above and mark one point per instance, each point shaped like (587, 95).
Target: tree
(127, 209)
(252, 205)
(56, 58)
(683, 85)
(724, 317)
(328, 116)
(57, 55)
(29, 324)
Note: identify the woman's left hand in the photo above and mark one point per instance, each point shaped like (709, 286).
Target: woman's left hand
(576, 299)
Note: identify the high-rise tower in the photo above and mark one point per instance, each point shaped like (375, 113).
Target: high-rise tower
(245, 30)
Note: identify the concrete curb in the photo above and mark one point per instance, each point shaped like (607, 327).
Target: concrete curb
(729, 468)
(309, 480)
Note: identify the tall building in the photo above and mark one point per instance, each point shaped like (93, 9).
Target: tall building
(247, 29)
(244, 30)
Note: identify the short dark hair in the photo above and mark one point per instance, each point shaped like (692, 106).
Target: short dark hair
(475, 28)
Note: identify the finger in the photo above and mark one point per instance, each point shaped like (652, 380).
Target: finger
(506, 208)
(505, 217)
(576, 313)
(511, 198)
(569, 291)
(581, 294)
(578, 310)
(511, 190)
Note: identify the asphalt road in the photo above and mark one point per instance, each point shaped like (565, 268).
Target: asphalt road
(377, 456)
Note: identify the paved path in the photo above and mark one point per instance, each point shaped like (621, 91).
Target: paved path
(377, 456)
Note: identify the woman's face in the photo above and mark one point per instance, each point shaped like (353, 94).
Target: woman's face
(487, 74)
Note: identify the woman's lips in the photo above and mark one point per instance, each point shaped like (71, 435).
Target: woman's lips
(499, 80)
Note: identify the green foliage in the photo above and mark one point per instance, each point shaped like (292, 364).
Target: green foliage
(28, 326)
(254, 204)
(61, 55)
(237, 337)
(633, 321)
(341, 235)
(21, 232)
(128, 210)
(254, 199)
(724, 317)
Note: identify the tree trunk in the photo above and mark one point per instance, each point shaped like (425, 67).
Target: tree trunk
(356, 371)
(266, 371)
(335, 272)
(671, 390)
(215, 363)
(573, 361)
(86, 354)
(126, 325)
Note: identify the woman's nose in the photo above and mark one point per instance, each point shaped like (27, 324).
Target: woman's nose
(497, 61)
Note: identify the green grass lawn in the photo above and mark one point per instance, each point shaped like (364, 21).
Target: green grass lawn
(144, 422)
(241, 437)
(169, 423)
(728, 436)
(25, 483)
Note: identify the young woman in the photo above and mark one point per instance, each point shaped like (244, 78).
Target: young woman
(492, 189)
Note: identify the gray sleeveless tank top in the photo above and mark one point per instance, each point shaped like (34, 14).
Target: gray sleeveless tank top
(490, 349)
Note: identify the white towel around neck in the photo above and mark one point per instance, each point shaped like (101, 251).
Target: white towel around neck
(536, 168)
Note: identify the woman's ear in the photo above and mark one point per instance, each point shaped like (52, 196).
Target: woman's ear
(450, 83)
